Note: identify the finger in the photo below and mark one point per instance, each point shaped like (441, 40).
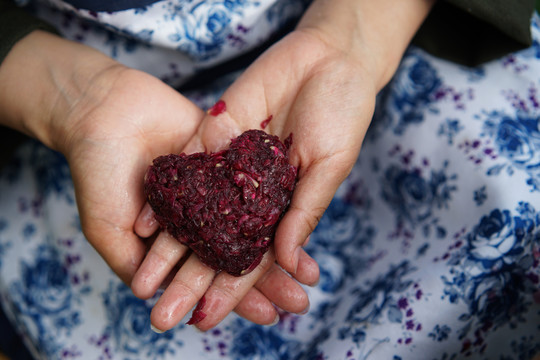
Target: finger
(307, 271)
(283, 291)
(146, 223)
(256, 308)
(158, 263)
(305, 210)
(216, 130)
(227, 291)
(188, 286)
(123, 255)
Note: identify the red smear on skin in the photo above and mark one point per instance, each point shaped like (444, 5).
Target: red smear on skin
(264, 123)
(198, 315)
(219, 108)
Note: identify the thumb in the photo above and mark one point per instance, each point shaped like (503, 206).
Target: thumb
(312, 195)
(216, 130)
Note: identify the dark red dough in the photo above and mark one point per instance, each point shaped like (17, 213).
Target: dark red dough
(225, 206)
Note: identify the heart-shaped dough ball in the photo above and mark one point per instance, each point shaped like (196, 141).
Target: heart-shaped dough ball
(226, 205)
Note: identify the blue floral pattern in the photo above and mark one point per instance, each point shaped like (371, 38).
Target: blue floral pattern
(45, 295)
(129, 327)
(430, 246)
(206, 28)
(172, 35)
(516, 138)
(494, 272)
(338, 244)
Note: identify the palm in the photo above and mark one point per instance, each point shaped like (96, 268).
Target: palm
(313, 95)
(137, 119)
(327, 106)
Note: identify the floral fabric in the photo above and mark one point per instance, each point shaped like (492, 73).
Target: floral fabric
(429, 250)
(173, 39)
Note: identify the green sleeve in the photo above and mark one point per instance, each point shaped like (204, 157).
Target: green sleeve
(471, 32)
(15, 24)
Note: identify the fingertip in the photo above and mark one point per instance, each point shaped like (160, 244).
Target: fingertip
(293, 231)
(170, 310)
(156, 330)
(161, 320)
(283, 291)
(157, 266)
(140, 288)
(275, 321)
(188, 286)
(308, 271)
(256, 308)
(285, 248)
(124, 257)
(146, 223)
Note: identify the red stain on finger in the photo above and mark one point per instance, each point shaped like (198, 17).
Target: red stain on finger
(219, 108)
(198, 315)
(265, 122)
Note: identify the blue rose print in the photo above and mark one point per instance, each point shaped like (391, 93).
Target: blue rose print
(420, 83)
(494, 272)
(414, 196)
(206, 27)
(46, 297)
(375, 301)
(129, 325)
(52, 170)
(47, 286)
(206, 30)
(516, 138)
(259, 342)
(412, 193)
(339, 242)
(495, 238)
(415, 87)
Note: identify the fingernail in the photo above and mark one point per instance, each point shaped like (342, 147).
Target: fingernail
(275, 322)
(156, 330)
(305, 311)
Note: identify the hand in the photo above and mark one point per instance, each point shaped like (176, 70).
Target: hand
(319, 83)
(324, 100)
(110, 122)
(114, 133)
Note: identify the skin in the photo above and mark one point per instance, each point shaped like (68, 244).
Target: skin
(110, 122)
(318, 83)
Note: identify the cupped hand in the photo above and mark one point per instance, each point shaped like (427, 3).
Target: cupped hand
(325, 99)
(123, 119)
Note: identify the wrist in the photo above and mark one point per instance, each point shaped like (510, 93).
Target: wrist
(373, 33)
(44, 78)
